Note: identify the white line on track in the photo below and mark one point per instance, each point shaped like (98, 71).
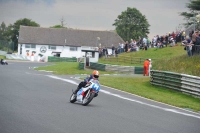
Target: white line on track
(129, 99)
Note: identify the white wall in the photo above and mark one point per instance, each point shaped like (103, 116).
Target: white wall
(96, 57)
(65, 51)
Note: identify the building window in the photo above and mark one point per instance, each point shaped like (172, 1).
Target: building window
(30, 46)
(52, 47)
(73, 48)
(90, 54)
(33, 46)
(27, 46)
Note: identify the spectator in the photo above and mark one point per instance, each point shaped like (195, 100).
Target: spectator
(116, 53)
(126, 46)
(133, 46)
(144, 43)
(122, 47)
(100, 52)
(188, 46)
(194, 42)
(191, 33)
(159, 45)
(119, 48)
(105, 52)
(166, 39)
(154, 41)
(172, 42)
(173, 35)
(113, 49)
(148, 42)
(146, 67)
(183, 35)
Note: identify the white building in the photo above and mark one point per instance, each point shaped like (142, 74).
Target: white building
(63, 42)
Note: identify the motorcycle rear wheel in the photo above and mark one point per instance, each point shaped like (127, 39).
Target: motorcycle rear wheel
(86, 100)
(72, 98)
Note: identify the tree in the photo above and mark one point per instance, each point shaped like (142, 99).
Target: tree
(190, 17)
(15, 29)
(5, 36)
(3, 31)
(131, 24)
(57, 26)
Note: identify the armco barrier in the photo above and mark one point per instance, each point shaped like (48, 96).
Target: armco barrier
(81, 66)
(97, 66)
(139, 70)
(185, 83)
(116, 68)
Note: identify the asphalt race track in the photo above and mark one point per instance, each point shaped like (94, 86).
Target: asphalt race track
(38, 102)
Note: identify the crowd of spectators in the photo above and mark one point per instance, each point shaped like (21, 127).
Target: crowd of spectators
(168, 40)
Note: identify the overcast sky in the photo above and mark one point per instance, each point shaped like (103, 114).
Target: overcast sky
(162, 15)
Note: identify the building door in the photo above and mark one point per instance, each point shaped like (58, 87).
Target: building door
(87, 61)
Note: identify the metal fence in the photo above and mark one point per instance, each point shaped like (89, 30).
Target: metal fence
(7, 46)
(181, 82)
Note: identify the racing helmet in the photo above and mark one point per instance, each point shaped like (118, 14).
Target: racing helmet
(96, 73)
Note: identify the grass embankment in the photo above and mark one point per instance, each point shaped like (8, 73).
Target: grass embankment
(153, 53)
(172, 59)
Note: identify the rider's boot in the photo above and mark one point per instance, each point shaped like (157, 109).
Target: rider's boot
(78, 88)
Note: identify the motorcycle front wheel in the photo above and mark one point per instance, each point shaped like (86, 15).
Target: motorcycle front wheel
(72, 98)
(88, 99)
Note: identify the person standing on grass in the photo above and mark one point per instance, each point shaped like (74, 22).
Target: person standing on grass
(195, 41)
(122, 47)
(113, 50)
(106, 52)
(126, 46)
(116, 52)
(188, 46)
(146, 67)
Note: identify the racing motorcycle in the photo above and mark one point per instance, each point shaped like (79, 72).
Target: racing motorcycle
(87, 93)
(4, 62)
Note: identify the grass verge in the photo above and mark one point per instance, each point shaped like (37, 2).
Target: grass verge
(2, 57)
(142, 87)
(69, 68)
